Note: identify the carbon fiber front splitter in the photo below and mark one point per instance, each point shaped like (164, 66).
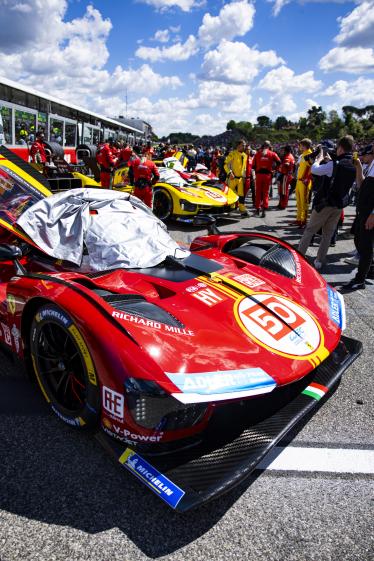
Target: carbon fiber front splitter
(227, 454)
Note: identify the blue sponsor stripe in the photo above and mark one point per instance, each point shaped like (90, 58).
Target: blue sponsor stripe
(335, 307)
(222, 381)
(151, 477)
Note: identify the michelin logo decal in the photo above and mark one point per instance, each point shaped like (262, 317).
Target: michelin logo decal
(155, 480)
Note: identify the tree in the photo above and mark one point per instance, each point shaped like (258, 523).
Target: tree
(231, 125)
(264, 121)
(280, 122)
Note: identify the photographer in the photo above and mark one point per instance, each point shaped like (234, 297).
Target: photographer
(332, 196)
(364, 229)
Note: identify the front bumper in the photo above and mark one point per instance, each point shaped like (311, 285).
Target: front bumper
(228, 454)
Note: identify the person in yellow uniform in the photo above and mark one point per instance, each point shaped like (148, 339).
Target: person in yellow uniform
(235, 167)
(304, 182)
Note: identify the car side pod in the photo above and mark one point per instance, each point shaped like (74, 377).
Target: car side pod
(188, 477)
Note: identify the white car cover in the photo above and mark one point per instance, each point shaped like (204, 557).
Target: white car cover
(172, 177)
(117, 229)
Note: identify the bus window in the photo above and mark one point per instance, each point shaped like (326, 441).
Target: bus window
(96, 136)
(70, 134)
(25, 123)
(56, 130)
(42, 123)
(87, 135)
(6, 114)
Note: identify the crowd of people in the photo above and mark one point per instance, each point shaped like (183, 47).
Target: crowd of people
(325, 179)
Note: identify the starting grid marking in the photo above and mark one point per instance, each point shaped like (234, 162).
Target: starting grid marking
(329, 460)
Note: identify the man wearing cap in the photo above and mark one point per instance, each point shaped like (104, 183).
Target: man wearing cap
(235, 167)
(107, 160)
(37, 150)
(364, 230)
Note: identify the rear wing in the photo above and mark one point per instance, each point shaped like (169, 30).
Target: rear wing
(21, 186)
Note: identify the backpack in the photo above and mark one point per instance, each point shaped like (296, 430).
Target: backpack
(342, 179)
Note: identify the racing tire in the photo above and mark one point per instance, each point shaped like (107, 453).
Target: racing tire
(57, 151)
(63, 367)
(162, 204)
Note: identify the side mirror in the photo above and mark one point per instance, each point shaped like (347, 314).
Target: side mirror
(10, 252)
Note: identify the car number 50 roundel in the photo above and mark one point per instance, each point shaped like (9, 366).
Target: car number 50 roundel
(279, 324)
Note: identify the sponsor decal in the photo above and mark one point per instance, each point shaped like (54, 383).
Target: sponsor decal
(196, 287)
(77, 422)
(85, 354)
(280, 324)
(11, 304)
(126, 435)
(298, 265)
(206, 383)
(215, 196)
(16, 337)
(336, 307)
(56, 315)
(153, 324)
(208, 296)
(316, 391)
(113, 403)
(155, 480)
(249, 280)
(6, 334)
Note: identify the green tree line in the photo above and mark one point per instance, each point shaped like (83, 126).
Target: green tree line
(317, 125)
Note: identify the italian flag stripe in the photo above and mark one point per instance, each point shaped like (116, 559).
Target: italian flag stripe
(317, 391)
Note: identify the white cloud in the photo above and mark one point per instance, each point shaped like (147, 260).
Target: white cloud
(284, 79)
(178, 51)
(69, 62)
(278, 105)
(162, 35)
(236, 63)
(358, 92)
(353, 60)
(184, 5)
(279, 4)
(357, 28)
(234, 20)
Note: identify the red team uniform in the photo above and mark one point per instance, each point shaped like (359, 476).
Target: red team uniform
(263, 166)
(286, 169)
(37, 152)
(107, 160)
(146, 174)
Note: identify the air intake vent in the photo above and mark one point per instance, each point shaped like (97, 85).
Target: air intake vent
(137, 305)
(280, 260)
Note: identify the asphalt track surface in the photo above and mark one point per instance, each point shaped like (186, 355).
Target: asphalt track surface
(63, 499)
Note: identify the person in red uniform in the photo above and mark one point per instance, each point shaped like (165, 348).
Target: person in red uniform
(263, 164)
(249, 180)
(146, 175)
(124, 155)
(148, 151)
(286, 169)
(214, 163)
(106, 160)
(37, 150)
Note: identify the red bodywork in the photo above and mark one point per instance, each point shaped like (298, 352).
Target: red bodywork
(230, 319)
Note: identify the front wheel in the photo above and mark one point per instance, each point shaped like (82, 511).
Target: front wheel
(63, 367)
(162, 204)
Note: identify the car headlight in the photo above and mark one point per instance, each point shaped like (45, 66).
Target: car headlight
(187, 206)
(152, 408)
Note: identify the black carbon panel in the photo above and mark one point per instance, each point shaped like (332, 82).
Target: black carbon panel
(228, 454)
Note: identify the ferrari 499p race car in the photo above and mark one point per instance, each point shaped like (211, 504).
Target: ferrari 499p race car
(190, 364)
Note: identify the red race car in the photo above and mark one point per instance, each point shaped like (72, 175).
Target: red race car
(191, 364)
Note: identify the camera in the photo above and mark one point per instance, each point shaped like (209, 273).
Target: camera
(327, 148)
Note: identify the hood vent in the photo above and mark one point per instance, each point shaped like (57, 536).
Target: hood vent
(137, 305)
(280, 260)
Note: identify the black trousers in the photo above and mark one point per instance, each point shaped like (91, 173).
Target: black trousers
(364, 240)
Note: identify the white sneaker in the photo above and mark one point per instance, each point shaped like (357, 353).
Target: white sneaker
(318, 265)
(354, 260)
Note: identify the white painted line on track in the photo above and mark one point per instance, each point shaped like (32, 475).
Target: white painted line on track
(333, 460)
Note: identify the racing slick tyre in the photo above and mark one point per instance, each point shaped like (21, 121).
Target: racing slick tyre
(162, 204)
(55, 149)
(63, 367)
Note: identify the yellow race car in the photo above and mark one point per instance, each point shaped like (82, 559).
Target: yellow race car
(176, 198)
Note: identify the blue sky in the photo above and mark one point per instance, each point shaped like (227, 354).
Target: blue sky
(192, 65)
